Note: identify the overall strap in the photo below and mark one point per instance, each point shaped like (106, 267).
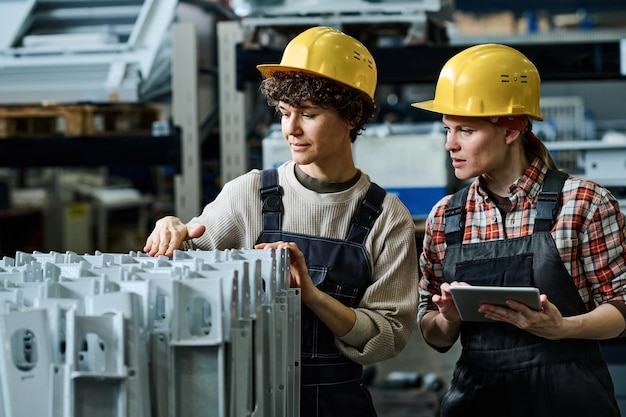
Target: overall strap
(548, 200)
(366, 214)
(454, 217)
(271, 195)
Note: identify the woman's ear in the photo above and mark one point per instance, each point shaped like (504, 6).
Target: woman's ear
(511, 135)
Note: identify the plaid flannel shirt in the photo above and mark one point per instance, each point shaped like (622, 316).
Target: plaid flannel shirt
(588, 234)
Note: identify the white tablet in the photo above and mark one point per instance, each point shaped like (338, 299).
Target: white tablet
(469, 298)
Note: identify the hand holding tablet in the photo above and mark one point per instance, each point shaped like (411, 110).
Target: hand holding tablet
(469, 298)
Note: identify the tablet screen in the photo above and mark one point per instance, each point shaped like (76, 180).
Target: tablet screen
(469, 298)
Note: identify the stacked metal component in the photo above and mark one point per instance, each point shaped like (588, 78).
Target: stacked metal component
(212, 333)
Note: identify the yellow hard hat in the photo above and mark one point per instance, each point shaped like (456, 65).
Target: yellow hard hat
(329, 53)
(487, 80)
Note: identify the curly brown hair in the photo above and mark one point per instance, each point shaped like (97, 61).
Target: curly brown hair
(293, 88)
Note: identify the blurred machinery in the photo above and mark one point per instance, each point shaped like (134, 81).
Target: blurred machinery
(80, 50)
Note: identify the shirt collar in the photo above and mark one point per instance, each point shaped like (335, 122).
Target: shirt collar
(529, 183)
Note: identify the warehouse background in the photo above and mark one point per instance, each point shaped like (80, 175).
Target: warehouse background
(116, 112)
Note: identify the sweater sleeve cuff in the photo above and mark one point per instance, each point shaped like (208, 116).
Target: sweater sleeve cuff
(363, 330)
(187, 245)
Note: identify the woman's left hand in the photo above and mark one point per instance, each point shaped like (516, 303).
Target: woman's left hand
(543, 323)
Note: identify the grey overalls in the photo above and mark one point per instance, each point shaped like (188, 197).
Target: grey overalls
(331, 384)
(505, 371)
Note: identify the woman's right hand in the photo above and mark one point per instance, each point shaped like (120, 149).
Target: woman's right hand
(445, 302)
(441, 328)
(168, 235)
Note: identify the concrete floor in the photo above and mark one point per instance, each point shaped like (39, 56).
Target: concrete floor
(417, 356)
(420, 359)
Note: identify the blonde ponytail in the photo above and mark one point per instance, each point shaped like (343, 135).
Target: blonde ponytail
(536, 149)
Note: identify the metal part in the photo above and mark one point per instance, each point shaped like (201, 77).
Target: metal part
(133, 335)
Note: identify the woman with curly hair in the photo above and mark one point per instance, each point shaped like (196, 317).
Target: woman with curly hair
(352, 246)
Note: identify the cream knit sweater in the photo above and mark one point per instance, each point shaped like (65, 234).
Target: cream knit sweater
(387, 312)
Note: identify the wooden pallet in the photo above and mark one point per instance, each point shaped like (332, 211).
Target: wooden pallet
(77, 119)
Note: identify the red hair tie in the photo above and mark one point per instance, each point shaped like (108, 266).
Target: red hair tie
(520, 123)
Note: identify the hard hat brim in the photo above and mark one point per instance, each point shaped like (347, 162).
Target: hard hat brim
(429, 105)
(425, 105)
(268, 70)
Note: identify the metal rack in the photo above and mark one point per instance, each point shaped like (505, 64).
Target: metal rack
(179, 148)
(80, 50)
(91, 151)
